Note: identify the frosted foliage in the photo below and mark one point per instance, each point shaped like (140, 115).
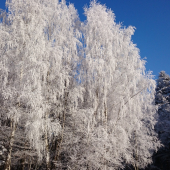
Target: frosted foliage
(36, 131)
(162, 100)
(119, 93)
(40, 53)
(80, 85)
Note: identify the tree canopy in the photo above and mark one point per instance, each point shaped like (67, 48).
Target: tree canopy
(77, 92)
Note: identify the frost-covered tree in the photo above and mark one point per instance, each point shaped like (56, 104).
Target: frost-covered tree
(26, 66)
(80, 89)
(162, 100)
(118, 101)
(42, 59)
(9, 106)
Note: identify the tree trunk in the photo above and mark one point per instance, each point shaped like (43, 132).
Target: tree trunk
(58, 148)
(8, 160)
(105, 115)
(30, 164)
(136, 153)
(105, 124)
(46, 130)
(47, 149)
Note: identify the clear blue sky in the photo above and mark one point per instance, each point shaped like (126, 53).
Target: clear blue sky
(152, 21)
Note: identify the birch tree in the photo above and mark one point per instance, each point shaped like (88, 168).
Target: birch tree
(8, 103)
(81, 89)
(27, 65)
(118, 99)
(63, 35)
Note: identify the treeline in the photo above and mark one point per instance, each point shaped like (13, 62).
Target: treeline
(73, 95)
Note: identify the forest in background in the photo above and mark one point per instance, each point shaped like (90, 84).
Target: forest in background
(75, 95)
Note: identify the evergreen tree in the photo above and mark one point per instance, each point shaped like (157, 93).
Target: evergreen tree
(162, 100)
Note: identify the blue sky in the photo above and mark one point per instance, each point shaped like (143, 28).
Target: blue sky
(152, 21)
